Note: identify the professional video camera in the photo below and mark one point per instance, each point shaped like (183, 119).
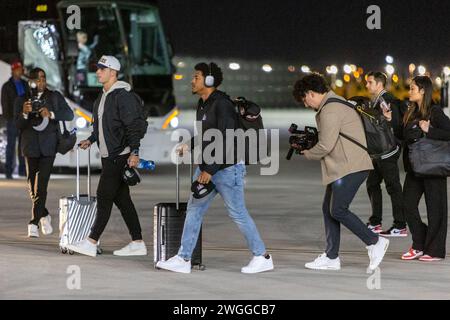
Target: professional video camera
(303, 140)
(36, 102)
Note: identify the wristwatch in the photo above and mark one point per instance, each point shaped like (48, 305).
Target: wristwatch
(135, 152)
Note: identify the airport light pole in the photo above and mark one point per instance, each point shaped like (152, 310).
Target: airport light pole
(332, 71)
(390, 71)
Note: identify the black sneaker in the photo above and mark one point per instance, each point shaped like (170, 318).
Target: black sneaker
(374, 228)
(395, 232)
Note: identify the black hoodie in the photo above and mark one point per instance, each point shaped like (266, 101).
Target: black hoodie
(217, 112)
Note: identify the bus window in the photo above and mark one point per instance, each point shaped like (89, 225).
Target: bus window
(147, 45)
(40, 48)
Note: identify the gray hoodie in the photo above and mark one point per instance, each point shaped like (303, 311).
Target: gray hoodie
(101, 108)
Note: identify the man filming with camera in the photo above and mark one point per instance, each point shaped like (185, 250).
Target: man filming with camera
(345, 166)
(37, 116)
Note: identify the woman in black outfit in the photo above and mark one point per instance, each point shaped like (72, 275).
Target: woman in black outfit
(423, 119)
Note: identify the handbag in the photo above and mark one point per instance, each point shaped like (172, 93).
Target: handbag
(66, 140)
(430, 157)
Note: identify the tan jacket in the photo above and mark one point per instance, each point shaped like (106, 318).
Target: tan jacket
(339, 156)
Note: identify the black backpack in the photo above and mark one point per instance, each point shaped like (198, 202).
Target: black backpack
(249, 114)
(249, 117)
(381, 142)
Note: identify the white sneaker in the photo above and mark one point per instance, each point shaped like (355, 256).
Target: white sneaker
(376, 253)
(132, 249)
(33, 231)
(46, 225)
(175, 264)
(258, 264)
(84, 247)
(322, 262)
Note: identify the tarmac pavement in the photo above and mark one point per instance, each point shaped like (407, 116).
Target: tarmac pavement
(286, 208)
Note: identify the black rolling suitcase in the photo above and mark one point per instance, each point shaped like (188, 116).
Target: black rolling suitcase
(168, 222)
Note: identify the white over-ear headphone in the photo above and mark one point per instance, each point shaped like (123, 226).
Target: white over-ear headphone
(209, 80)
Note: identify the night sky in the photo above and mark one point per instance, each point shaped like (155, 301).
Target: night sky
(314, 32)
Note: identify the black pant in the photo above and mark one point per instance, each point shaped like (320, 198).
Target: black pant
(429, 239)
(112, 189)
(388, 171)
(12, 133)
(338, 197)
(38, 175)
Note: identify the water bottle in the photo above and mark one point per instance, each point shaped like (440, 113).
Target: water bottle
(146, 164)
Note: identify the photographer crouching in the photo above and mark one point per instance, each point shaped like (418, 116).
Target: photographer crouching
(37, 115)
(345, 166)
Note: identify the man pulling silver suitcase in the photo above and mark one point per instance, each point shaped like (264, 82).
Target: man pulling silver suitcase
(77, 212)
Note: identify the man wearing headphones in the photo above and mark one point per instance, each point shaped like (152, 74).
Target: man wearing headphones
(216, 111)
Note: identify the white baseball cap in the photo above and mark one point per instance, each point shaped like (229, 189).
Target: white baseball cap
(109, 62)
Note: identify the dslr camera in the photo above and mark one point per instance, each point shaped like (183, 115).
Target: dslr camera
(303, 140)
(36, 102)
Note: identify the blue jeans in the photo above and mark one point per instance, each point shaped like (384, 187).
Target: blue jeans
(338, 197)
(230, 185)
(12, 133)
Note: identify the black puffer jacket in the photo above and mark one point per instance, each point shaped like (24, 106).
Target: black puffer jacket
(122, 125)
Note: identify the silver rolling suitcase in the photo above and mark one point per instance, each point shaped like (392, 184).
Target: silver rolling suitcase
(77, 212)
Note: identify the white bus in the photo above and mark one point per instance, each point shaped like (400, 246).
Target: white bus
(130, 30)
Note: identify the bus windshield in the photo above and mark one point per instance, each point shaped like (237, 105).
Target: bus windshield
(134, 35)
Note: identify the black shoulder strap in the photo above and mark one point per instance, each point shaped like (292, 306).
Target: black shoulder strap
(351, 105)
(215, 101)
(54, 98)
(337, 100)
(353, 140)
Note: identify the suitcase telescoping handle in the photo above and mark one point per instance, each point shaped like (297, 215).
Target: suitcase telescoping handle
(178, 177)
(88, 174)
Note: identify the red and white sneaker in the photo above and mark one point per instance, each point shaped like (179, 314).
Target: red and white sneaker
(412, 254)
(428, 258)
(375, 228)
(394, 232)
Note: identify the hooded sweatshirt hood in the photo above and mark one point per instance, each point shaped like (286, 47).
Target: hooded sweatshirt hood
(118, 85)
